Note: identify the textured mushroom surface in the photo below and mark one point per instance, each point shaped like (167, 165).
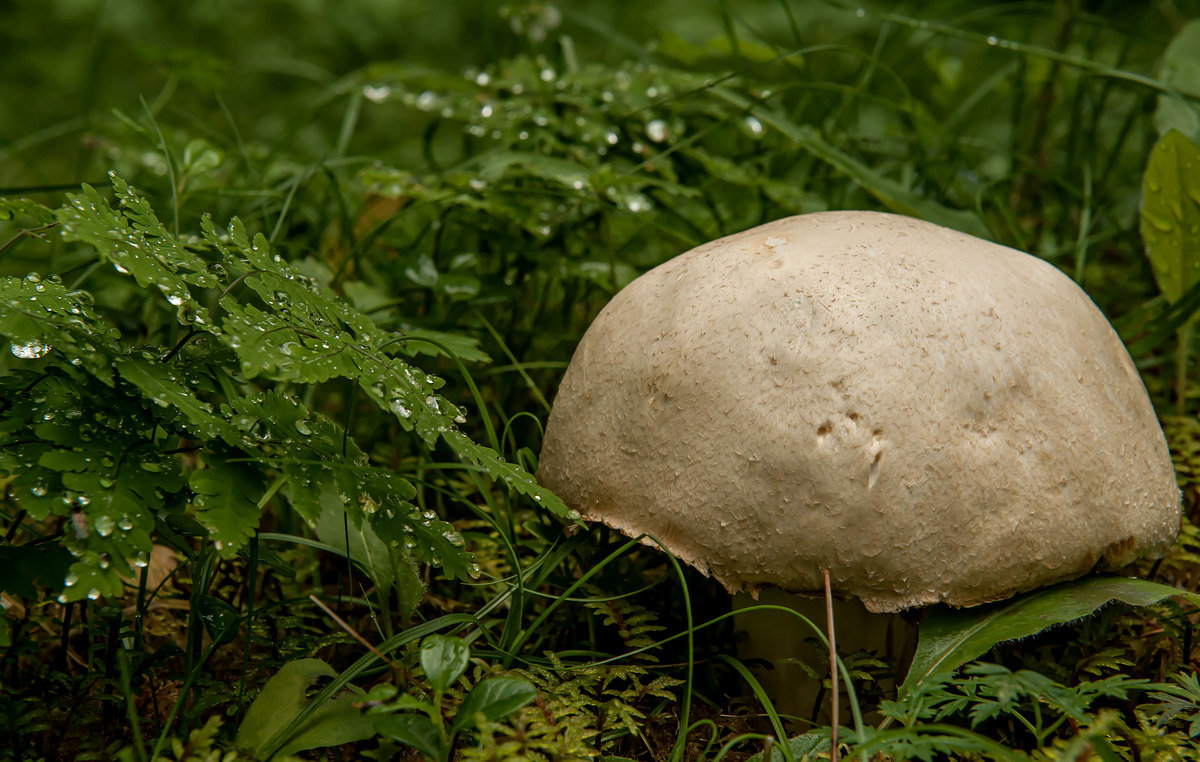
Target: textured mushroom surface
(930, 416)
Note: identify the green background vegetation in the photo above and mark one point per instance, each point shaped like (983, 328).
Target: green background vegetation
(206, 425)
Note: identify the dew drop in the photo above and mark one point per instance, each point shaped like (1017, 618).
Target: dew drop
(656, 130)
(103, 525)
(426, 100)
(31, 350)
(397, 407)
(376, 93)
(638, 203)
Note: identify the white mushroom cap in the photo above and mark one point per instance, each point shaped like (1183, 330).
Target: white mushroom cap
(929, 416)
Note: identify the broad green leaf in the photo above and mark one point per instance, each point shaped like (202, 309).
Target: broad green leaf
(495, 698)
(415, 730)
(444, 659)
(950, 638)
(334, 722)
(225, 502)
(1181, 72)
(1171, 213)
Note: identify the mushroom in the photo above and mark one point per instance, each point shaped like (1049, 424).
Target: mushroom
(929, 416)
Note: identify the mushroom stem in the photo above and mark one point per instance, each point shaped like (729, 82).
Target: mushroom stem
(784, 653)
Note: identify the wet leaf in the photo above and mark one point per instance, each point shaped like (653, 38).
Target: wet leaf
(225, 502)
(23, 208)
(39, 317)
(137, 244)
(220, 620)
(1170, 221)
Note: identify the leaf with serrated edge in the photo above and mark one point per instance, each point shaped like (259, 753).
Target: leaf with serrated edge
(39, 316)
(138, 244)
(950, 638)
(225, 501)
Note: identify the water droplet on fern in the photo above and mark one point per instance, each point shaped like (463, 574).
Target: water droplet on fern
(103, 525)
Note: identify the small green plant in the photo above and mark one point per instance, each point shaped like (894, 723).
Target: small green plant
(422, 723)
(267, 728)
